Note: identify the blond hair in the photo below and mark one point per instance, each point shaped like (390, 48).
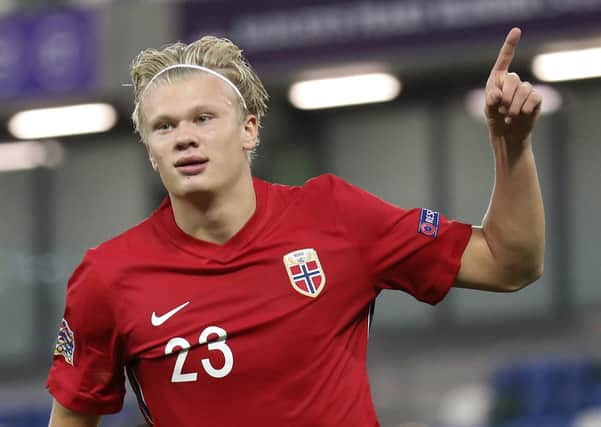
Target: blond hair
(217, 54)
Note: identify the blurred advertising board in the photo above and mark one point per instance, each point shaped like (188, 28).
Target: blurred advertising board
(47, 53)
(271, 31)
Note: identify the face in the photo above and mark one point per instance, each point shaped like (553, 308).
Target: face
(195, 135)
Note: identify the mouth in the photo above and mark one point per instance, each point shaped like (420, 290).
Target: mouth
(191, 165)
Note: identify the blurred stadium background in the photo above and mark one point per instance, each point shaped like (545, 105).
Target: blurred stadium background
(529, 359)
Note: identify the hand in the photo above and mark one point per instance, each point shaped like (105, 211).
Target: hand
(512, 106)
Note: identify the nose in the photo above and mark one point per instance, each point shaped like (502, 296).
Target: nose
(185, 137)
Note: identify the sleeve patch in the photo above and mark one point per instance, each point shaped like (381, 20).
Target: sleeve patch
(428, 223)
(65, 343)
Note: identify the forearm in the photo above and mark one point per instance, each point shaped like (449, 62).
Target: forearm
(514, 225)
(63, 417)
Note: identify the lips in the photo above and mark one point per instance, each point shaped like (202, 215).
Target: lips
(191, 165)
(190, 160)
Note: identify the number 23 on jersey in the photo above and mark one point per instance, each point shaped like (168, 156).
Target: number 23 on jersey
(218, 345)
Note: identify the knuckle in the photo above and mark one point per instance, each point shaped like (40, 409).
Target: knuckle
(528, 86)
(492, 96)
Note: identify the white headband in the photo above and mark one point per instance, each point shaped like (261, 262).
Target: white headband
(196, 67)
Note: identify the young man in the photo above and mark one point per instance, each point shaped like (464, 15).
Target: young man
(240, 302)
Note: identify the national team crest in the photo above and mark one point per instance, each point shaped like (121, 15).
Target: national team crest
(65, 343)
(305, 272)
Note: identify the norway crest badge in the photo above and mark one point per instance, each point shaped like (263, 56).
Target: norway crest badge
(65, 343)
(305, 272)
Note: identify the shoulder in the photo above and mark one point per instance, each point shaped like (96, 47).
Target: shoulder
(324, 182)
(339, 192)
(322, 190)
(321, 182)
(112, 255)
(131, 240)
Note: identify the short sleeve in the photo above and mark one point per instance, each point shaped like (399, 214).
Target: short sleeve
(86, 375)
(399, 253)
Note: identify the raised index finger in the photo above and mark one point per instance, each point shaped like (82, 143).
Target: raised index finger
(507, 51)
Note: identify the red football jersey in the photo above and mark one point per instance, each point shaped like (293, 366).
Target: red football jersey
(268, 329)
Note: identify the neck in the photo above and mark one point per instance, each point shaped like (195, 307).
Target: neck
(215, 217)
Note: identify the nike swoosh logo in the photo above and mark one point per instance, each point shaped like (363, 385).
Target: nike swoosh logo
(159, 320)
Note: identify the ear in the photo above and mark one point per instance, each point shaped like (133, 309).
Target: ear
(250, 132)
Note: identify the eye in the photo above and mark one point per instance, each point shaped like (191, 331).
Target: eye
(162, 126)
(202, 118)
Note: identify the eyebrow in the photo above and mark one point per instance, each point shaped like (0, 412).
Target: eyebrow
(159, 119)
(164, 117)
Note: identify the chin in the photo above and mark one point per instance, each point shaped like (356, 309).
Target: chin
(189, 187)
(194, 190)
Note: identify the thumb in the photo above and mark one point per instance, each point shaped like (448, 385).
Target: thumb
(492, 101)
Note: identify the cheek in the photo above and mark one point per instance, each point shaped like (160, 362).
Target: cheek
(152, 153)
(225, 140)
(157, 158)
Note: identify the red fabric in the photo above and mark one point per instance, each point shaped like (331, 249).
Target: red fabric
(95, 382)
(395, 254)
(296, 358)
